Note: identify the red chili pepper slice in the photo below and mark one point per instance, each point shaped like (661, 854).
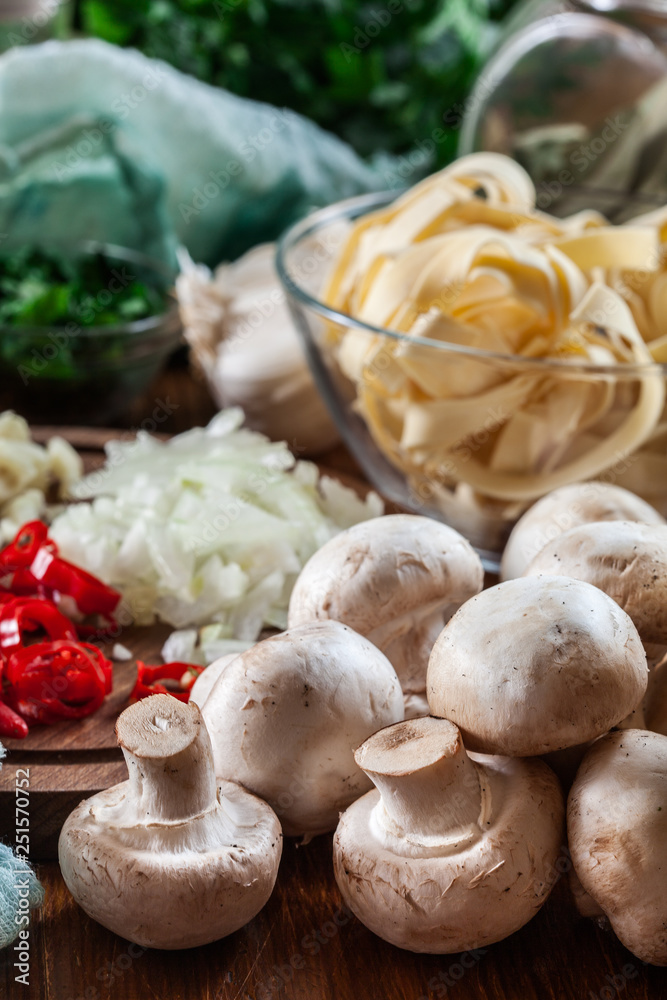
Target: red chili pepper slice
(20, 553)
(148, 679)
(26, 614)
(90, 594)
(60, 678)
(105, 664)
(36, 568)
(12, 725)
(55, 680)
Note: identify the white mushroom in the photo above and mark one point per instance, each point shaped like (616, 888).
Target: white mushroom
(169, 858)
(627, 560)
(286, 715)
(536, 664)
(395, 579)
(205, 683)
(617, 829)
(566, 508)
(452, 851)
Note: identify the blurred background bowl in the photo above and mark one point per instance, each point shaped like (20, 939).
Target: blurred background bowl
(306, 254)
(78, 374)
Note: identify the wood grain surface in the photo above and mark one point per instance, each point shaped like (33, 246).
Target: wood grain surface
(303, 945)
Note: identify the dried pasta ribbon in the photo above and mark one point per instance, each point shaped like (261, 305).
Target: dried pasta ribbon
(463, 262)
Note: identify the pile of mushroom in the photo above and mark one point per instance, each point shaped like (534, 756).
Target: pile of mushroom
(459, 843)
(170, 858)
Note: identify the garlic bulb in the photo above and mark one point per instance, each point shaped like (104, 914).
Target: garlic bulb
(242, 335)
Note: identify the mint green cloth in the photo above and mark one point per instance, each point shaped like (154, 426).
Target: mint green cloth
(235, 172)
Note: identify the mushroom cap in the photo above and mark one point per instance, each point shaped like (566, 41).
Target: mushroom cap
(536, 664)
(626, 559)
(617, 829)
(566, 508)
(387, 578)
(470, 897)
(286, 715)
(175, 885)
(380, 570)
(204, 684)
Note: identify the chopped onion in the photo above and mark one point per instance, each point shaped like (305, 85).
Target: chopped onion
(212, 526)
(121, 653)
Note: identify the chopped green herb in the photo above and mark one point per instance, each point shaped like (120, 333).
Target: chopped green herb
(38, 288)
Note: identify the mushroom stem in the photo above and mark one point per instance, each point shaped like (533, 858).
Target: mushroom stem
(169, 760)
(430, 794)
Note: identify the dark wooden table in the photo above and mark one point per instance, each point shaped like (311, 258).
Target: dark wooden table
(304, 945)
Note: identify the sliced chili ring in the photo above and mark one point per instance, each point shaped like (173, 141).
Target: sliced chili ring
(26, 614)
(54, 680)
(148, 679)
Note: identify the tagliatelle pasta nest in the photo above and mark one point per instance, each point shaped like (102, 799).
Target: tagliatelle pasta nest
(463, 263)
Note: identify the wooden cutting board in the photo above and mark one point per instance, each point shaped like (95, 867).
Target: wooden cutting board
(69, 761)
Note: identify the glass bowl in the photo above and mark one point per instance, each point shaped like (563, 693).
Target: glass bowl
(89, 375)
(570, 93)
(448, 486)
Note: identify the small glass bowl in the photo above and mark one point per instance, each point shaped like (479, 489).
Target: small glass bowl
(305, 256)
(89, 375)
